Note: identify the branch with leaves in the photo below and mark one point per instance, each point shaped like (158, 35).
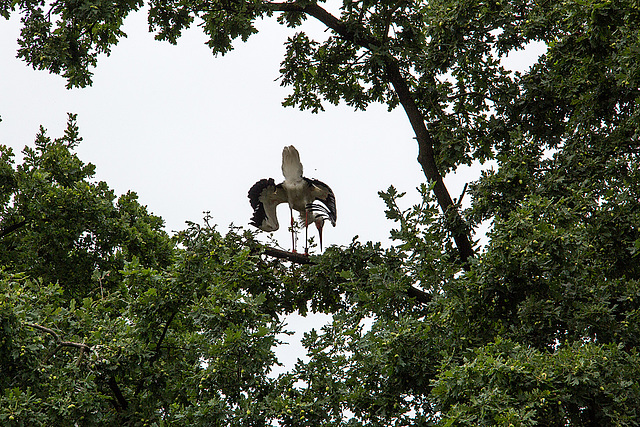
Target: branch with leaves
(11, 228)
(296, 258)
(84, 348)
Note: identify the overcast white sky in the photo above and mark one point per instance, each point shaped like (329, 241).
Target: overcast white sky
(190, 132)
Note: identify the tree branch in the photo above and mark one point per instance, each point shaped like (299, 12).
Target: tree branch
(312, 10)
(420, 296)
(427, 159)
(294, 257)
(13, 227)
(162, 336)
(59, 341)
(464, 190)
(121, 403)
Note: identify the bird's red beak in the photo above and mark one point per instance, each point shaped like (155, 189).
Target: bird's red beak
(319, 224)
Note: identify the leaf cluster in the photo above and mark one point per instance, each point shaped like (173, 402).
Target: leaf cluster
(56, 223)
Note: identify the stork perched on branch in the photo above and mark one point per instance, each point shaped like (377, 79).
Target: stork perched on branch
(313, 199)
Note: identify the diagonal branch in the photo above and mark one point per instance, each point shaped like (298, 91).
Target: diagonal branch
(83, 347)
(162, 336)
(11, 228)
(426, 158)
(121, 402)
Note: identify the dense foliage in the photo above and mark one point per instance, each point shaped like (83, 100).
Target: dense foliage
(107, 320)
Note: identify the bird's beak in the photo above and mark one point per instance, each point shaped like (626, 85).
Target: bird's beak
(319, 224)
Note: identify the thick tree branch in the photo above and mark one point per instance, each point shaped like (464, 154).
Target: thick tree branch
(426, 156)
(13, 227)
(121, 402)
(312, 10)
(420, 296)
(291, 256)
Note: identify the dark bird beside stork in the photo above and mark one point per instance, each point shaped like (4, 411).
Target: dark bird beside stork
(313, 199)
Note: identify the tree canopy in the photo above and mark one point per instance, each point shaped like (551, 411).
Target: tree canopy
(108, 320)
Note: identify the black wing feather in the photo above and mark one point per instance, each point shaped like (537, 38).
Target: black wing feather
(259, 214)
(329, 210)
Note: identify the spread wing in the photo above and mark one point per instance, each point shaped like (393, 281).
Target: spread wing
(322, 193)
(264, 197)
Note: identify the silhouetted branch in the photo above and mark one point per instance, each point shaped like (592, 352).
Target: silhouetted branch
(459, 200)
(420, 296)
(13, 227)
(156, 355)
(162, 336)
(294, 257)
(121, 403)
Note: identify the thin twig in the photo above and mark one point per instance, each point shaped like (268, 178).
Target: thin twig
(464, 190)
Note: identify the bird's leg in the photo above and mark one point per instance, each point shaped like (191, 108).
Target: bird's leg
(306, 235)
(293, 239)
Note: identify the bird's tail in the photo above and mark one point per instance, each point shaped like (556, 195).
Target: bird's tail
(291, 166)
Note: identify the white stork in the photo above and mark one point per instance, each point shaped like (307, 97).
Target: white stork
(312, 198)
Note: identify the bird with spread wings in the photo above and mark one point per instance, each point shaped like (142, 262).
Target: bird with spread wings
(313, 199)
